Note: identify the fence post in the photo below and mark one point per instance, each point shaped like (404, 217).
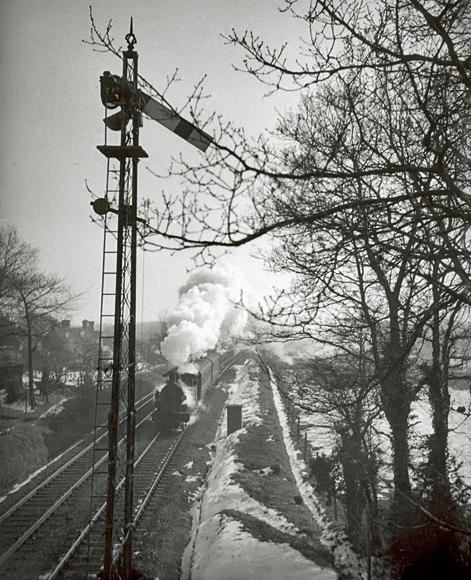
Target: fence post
(368, 547)
(305, 447)
(298, 430)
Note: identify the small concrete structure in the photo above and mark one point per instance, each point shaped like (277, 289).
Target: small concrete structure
(234, 418)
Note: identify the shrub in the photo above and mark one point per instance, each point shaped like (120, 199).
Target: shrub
(22, 451)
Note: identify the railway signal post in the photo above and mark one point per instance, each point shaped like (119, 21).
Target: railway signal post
(117, 364)
(121, 93)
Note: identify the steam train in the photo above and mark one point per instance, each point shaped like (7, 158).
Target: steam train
(176, 400)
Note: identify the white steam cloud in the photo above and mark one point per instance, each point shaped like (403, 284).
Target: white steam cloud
(205, 317)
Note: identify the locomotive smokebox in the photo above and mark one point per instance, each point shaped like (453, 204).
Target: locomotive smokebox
(234, 418)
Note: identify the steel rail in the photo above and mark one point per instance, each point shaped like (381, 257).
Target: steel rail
(56, 473)
(140, 509)
(150, 492)
(29, 532)
(144, 502)
(230, 361)
(80, 539)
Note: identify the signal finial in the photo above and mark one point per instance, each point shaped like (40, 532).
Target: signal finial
(131, 38)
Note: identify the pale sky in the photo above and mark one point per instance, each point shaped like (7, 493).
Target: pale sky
(51, 121)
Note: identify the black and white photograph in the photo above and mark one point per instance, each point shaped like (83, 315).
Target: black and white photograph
(235, 290)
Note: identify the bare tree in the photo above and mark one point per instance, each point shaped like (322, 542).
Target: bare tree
(16, 256)
(39, 297)
(337, 390)
(415, 54)
(30, 297)
(404, 68)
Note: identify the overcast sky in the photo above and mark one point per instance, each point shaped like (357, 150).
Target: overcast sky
(51, 121)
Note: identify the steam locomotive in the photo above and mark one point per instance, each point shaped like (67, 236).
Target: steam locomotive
(182, 393)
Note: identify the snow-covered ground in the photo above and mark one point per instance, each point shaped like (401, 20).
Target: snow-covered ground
(459, 438)
(55, 409)
(24, 408)
(220, 548)
(320, 437)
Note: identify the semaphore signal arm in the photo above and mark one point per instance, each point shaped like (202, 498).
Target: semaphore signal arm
(116, 93)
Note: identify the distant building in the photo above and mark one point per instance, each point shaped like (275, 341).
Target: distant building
(11, 360)
(9, 343)
(80, 343)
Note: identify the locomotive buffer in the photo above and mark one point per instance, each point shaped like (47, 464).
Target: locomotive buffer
(121, 199)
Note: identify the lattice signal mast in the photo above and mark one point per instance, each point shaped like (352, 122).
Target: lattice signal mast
(117, 352)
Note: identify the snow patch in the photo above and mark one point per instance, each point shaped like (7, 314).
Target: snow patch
(223, 493)
(244, 392)
(232, 553)
(55, 409)
(219, 547)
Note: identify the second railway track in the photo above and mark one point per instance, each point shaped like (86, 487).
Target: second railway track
(85, 556)
(55, 508)
(19, 523)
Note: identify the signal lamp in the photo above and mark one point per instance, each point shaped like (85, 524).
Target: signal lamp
(101, 206)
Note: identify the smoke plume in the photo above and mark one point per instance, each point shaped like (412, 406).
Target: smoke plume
(205, 318)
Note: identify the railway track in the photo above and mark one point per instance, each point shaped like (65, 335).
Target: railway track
(54, 468)
(85, 556)
(229, 359)
(56, 504)
(20, 523)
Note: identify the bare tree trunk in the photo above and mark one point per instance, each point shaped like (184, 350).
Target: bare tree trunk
(439, 398)
(44, 385)
(396, 400)
(353, 465)
(32, 400)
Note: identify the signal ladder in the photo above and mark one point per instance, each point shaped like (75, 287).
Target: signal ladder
(114, 327)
